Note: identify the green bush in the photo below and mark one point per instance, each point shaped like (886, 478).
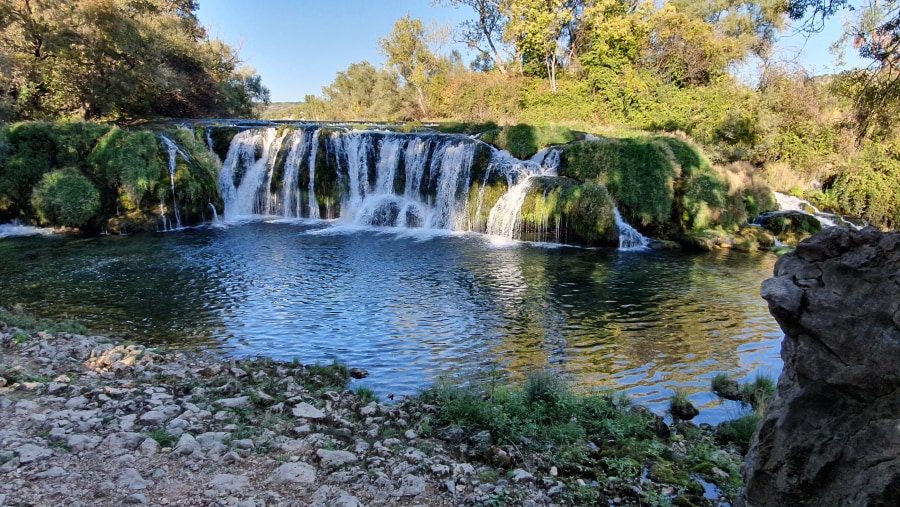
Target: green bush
(129, 162)
(65, 198)
(870, 186)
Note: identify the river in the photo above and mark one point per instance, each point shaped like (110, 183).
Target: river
(412, 306)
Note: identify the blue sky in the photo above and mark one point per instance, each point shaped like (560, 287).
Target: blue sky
(298, 46)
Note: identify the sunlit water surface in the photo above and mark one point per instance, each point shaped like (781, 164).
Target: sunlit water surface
(411, 308)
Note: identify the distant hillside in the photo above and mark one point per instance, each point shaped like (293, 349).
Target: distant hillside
(282, 111)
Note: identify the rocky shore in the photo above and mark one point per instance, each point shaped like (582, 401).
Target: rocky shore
(88, 420)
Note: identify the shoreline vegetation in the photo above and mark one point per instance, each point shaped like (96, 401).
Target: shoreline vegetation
(97, 417)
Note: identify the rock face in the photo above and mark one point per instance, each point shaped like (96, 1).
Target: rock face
(832, 434)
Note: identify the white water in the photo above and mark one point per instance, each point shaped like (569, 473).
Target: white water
(174, 151)
(629, 238)
(790, 203)
(16, 228)
(383, 179)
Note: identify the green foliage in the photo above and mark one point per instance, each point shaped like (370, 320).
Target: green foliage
(329, 376)
(679, 403)
(523, 141)
(870, 186)
(122, 60)
(740, 431)
(366, 395)
(18, 317)
(636, 172)
(163, 437)
(759, 392)
(65, 198)
(129, 162)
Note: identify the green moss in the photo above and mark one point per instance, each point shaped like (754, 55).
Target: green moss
(523, 140)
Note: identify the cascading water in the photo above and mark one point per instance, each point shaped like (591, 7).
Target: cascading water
(174, 151)
(505, 217)
(791, 203)
(385, 179)
(629, 238)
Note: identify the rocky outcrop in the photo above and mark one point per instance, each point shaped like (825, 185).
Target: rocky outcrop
(832, 434)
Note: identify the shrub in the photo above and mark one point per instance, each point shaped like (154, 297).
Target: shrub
(128, 162)
(739, 431)
(65, 197)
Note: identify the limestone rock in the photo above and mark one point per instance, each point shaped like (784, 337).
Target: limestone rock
(29, 452)
(294, 473)
(307, 411)
(228, 483)
(336, 458)
(830, 435)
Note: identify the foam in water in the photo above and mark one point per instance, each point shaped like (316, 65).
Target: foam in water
(629, 238)
(16, 228)
(791, 203)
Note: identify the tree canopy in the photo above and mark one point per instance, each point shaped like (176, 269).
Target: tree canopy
(117, 59)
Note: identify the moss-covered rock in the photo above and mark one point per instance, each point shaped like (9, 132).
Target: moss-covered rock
(790, 226)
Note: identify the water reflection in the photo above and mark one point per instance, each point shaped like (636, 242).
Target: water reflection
(412, 308)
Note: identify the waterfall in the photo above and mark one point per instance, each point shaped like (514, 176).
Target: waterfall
(174, 151)
(215, 216)
(629, 238)
(791, 203)
(376, 178)
(505, 217)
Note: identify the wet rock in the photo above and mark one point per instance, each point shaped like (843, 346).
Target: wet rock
(358, 373)
(830, 435)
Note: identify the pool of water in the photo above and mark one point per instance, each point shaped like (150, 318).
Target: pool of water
(412, 307)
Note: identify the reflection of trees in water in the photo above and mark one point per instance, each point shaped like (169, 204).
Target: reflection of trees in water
(631, 318)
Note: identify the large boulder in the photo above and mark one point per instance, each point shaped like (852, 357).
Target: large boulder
(832, 434)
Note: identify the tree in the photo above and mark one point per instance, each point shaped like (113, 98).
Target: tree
(484, 33)
(407, 51)
(753, 23)
(537, 29)
(875, 32)
(687, 51)
(117, 59)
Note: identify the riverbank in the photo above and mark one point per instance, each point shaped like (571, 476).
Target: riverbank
(89, 420)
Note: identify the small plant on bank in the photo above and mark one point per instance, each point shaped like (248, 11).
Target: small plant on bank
(20, 337)
(680, 407)
(163, 437)
(739, 431)
(18, 317)
(758, 393)
(366, 395)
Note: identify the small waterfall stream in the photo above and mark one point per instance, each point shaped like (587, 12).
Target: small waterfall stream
(629, 238)
(174, 151)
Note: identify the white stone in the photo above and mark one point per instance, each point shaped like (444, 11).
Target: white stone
(307, 411)
(295, 473)
(131, 479)
(336, 458)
